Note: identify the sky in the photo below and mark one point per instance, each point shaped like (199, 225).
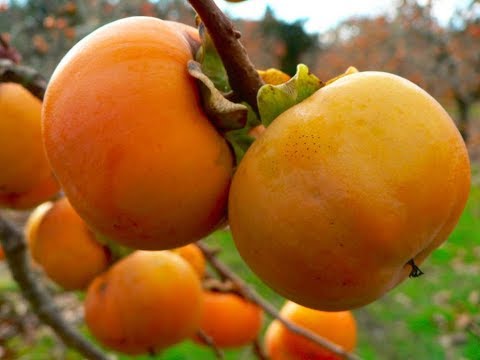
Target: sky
(322, 14)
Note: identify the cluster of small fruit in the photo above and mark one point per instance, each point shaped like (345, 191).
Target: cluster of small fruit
(151, 300)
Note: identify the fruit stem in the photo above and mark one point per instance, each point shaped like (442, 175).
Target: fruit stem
(416, 272)
(42, 303)
(24, 75)
(209, 341)
(250, 294)
(242, 75)
(259, 350)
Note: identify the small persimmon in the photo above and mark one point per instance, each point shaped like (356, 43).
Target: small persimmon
(43, 191)
(194, 257)
(229, 320)
(25, 178)
(128, 139)
(144, 303)
(338, 327)
(61, 243)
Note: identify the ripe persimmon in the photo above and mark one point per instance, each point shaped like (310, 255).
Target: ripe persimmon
(345, 193)
(338, 327)
(128, 140)
(61, 243)
(145, 302)
(229, 320)
(41, 192)
(26, 179)
(194, 257)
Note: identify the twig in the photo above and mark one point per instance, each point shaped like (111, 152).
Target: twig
(4, 42)
(209, 341)
(474, 329)
(16, 253)
(24, 75)
(259, 350)
(242, 75)
(250, 294)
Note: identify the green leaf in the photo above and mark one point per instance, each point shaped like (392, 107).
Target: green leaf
(275, 99)
(212, 65)
(222, 113)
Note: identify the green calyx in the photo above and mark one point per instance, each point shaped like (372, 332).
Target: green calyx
(275, 99)
(232, 116)
(116, 250)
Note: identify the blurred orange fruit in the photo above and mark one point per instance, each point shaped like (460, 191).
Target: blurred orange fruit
(144, 303)
(229, 320)
(194, 257)
(61, 243)
(337, 327)
(25, 179)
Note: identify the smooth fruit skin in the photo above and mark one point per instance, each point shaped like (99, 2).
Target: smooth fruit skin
(229, 320)
(146, 302)
(194, 257)
(337, 327)
(342, 190)
(61, 243)
(25, 179)
(43, 191)
(127, 138)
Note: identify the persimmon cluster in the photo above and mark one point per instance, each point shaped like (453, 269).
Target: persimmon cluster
(340, 190)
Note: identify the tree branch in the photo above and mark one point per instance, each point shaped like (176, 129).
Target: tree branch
(242, 75)
(259, 350)
(209, 342)
(16, 253)
(250, 294)
(24, 75)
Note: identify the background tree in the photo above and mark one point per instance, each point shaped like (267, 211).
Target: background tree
(414, 45)
(295, 41)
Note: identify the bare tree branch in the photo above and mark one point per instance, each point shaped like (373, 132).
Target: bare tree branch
(16, 253)
(209, 342)
(242, 75)
(24, 75)
(250, 294)
(259, 350)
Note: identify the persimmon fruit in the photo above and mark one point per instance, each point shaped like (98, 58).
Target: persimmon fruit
(62, 244)
(347, 192)
(337, 327)
(26, 179)
(194, 257)
(128, 140)
(230, 320)
(145, 302)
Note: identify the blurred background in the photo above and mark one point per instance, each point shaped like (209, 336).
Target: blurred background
(435, 44)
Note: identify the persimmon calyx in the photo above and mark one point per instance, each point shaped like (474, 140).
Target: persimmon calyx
(224, 114)
(117, 251)
(349, 71)
(275, 99)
